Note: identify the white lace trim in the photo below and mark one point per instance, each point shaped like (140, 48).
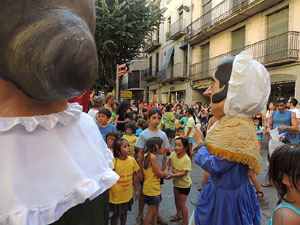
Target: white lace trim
(52, 211)
(48, 121)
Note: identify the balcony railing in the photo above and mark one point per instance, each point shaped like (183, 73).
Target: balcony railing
(150, 74)
(277, 50)
(162, 74)
(177, 30)
(151, 45)
(224, 15)
(172, 72)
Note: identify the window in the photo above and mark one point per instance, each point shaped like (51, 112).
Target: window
(277, 42)
(206, 13)
(157, 63)
(169, 24)
(238, 40)
(150, 66)
(181, 24)
(205, 59)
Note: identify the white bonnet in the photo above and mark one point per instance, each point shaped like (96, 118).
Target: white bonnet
(248, 88)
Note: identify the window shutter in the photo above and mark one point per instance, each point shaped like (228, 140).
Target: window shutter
(206, 16)
(278, 23)
(238, 40)
(205, 59)
(277, 43)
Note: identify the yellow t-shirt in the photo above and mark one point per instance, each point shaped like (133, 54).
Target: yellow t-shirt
(190, 123)
(131, 140)
(180, 165)
(122, 191)
(151, 185)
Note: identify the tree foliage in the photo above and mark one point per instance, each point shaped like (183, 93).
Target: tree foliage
(121, 29)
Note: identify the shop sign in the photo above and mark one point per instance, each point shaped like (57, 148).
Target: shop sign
(126, 94)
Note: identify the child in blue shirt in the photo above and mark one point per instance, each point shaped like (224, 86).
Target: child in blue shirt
(284, 173)
(103, 116)
(139, 124)
(259, 132)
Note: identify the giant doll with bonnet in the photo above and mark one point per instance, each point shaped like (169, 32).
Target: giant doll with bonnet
(55, 167)
(240, 88)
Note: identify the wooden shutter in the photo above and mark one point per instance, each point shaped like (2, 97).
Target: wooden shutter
(277, 42)
(206, 15)
(204, 60)
(238, 40)
(278, 23)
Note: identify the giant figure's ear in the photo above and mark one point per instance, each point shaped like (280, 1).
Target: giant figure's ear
(47, 47)
(223, 74)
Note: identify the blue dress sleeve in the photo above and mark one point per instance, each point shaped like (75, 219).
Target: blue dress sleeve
(211, 163)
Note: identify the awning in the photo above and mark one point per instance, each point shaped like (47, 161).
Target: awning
(168, 58)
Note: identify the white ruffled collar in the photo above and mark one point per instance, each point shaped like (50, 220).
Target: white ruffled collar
(30, 123)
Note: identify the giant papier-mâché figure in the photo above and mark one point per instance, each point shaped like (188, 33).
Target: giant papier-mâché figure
(240, 88)
(55, 168)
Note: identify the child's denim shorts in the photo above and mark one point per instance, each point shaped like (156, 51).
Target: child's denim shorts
(192, 140)
(152, 200)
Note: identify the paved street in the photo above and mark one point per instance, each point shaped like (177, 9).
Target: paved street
(167, 206)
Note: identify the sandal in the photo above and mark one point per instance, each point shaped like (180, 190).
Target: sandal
(175, 218)
(267, 185)
(259, 194)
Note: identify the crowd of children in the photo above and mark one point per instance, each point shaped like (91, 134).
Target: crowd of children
(141, 150)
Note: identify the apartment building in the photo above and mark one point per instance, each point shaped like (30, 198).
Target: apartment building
(167, 73)
(198, 34)
(132, 85)
(269, 28)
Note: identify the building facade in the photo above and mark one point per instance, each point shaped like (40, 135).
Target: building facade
(133, 85)
(198, 34)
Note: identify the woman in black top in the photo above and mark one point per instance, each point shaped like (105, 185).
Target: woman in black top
(121, 115)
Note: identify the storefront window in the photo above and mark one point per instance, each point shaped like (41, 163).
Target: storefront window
(177, 96)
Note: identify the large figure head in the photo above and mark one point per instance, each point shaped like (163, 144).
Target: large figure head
(47, 47)
(240, 87)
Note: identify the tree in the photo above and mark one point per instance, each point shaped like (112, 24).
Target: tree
(121, 30)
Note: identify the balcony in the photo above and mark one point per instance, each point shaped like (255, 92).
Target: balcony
(222, 16)
(151, 45)
(278, 50)
(133, 83)
(173, 73)
(150, 74)
(176, 30)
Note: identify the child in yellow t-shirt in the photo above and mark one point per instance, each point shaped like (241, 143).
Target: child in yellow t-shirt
(121, 194)
(152, 175)
(130, 137)
(181, 167)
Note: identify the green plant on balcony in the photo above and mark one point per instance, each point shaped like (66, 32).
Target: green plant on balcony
(167, 34)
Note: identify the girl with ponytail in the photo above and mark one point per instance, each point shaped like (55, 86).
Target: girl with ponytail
(152, 175)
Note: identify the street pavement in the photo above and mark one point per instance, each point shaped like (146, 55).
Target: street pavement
(167, 206)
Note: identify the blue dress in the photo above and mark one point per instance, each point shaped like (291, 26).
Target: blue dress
(228, 197)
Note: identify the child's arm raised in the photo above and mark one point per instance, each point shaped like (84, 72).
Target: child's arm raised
(155, 167)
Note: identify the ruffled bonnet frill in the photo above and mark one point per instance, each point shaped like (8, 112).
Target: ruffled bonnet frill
(44, 172)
